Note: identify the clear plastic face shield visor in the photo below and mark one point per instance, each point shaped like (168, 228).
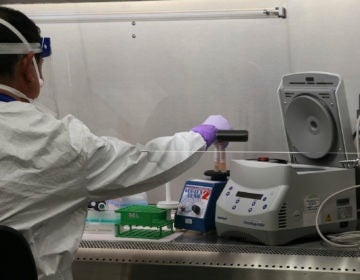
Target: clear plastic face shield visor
(43, 47)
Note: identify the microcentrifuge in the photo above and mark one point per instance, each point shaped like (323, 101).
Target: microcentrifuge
(275, 202)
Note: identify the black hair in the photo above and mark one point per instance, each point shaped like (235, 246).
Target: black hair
(26, 27)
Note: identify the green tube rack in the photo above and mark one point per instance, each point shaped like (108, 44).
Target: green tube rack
(150, 218)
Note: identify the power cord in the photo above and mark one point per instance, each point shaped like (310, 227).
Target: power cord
(343, 240)
(357, 136)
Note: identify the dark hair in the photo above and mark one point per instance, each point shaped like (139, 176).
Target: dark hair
(26, 27)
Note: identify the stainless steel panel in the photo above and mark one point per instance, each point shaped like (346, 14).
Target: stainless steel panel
(211, 258)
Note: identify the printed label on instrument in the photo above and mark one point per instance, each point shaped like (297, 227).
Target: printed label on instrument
(311, 203)
(344, 213)
(194, 201)
(309, 218)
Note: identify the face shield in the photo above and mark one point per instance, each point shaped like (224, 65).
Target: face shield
(47, 101)
(44, 48)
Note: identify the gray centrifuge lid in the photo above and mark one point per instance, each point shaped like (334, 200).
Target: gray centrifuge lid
(316, 118)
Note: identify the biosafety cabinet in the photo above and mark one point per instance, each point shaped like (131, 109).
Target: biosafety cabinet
(264, 201)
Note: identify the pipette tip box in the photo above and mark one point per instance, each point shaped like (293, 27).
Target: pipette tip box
(144, 221)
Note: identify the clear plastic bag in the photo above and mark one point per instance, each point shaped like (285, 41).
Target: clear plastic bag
(121, 202)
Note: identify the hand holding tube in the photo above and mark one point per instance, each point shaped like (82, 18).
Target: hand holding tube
(210, 127)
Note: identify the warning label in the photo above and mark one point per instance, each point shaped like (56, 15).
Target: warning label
(328, 218)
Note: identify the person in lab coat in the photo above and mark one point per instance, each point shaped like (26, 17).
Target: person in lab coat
(50, 169)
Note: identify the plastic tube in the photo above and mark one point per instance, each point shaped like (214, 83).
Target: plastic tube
(220, 157)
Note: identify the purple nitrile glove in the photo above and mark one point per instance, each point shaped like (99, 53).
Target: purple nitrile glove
(219, 122)
(210, 126)
(207, 132)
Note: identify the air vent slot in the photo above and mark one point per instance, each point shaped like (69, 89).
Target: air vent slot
(324, 83)
(283, 216)
(311, 83)
(324, 95)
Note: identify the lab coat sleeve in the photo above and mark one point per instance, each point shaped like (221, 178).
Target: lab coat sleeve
(114, 168)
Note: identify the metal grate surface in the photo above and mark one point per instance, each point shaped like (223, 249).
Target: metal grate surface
(220, 248)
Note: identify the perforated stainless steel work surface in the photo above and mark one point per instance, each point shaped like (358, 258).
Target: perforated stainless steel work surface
(221, 248)
(213, 258)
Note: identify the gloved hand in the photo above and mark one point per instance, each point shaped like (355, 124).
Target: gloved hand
(210, 126)
(219, 122)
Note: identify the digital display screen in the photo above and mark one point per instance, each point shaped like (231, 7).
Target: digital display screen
(249, 195)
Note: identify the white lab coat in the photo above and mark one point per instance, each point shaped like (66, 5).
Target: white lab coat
(50, 170)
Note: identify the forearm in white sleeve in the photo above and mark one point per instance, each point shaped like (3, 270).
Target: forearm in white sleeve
(114, 168)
